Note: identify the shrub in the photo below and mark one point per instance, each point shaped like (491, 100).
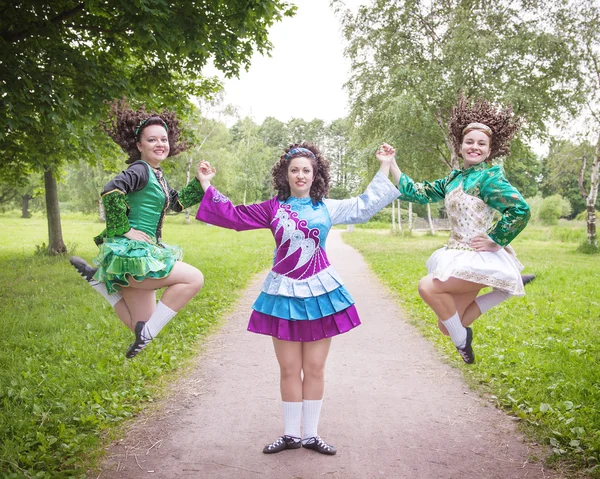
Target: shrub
(552, 208)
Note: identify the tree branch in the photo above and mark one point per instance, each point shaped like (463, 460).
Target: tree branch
(38, 26)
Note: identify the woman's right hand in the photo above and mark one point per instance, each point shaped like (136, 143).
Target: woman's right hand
(137, 235)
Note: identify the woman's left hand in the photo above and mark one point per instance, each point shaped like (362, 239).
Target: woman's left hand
(484, 243)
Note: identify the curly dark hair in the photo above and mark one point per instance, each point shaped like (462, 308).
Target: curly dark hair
(503, 123)
(320, 186)
(125, 125)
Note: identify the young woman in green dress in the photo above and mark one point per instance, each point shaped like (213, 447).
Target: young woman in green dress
(133, 262)
(477, 254)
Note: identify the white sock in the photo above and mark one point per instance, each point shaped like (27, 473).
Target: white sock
(489, 300)
(292, 418)
(457, 332)
(112, 298)
(311, 409)
(161, 316)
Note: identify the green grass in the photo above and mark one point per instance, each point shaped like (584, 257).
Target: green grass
(537, 356)
(65, 385)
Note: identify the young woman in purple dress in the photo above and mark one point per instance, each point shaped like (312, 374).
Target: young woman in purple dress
(303, 302)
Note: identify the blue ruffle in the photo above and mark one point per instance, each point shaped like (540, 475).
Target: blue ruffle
(300, 309)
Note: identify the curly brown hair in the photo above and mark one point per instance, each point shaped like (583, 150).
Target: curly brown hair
(503, 123)
(125, 125)
(320, 185)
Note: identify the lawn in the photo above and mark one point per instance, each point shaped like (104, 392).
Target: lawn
(538, 356)
(65, 385)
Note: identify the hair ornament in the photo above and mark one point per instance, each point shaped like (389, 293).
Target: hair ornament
(143, 122)
(477, 126)
(304, 151)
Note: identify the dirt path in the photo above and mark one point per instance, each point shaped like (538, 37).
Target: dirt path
(391, 407)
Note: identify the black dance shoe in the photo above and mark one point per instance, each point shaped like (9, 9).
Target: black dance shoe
(467, 352)
(284, 442)
(527, 278)
(317, 444)
(139, 343)
(84, 269)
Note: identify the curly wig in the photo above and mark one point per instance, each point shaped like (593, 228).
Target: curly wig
(125, 127)
(503, 123)
(320, 186)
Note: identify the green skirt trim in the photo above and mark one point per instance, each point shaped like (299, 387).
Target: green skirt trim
(120, 260)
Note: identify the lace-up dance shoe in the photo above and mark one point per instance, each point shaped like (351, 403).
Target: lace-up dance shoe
(284, 442)
(317, 444)
(467, 352)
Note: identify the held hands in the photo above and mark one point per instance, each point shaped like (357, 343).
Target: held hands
(137, 235)
(484, 243)
(205, 173)
(386, 155)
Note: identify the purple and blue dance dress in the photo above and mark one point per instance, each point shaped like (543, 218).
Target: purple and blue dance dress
(303, 298)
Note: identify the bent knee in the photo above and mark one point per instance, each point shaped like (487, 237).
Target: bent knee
(426, 287)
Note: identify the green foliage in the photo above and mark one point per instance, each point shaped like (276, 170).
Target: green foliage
(583, 215)
(537, 356)
(552, 208)
(411, 58)
(560, 171)
(65, 384)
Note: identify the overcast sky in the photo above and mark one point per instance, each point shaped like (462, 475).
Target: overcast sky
(305, 74)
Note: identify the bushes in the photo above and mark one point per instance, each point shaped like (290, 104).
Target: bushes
(550, 209)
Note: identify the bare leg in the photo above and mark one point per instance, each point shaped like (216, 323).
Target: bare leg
(463, 302)
(140, 305)
(182, 284)
(289, 357)
(314, 356)
(440, 295)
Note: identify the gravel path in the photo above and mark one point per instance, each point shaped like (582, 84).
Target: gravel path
(392, 408)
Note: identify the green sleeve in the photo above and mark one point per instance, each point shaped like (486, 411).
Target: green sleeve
(191, 194)
(499, 194)
(425, 192)
(115, 211)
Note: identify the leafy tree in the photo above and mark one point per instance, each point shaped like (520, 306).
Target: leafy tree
(560, 170)
(60, 60)
(411, 58)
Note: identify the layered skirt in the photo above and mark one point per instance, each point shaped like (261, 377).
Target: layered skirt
(303, 309)
(499, 269)
(120, 260)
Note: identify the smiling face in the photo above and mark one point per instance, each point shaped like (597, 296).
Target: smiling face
(154, 145)
(300, 176)
(475, 148)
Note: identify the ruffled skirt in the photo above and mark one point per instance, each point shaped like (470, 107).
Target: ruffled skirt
(120, 260)
(499, 269)
(303, 310)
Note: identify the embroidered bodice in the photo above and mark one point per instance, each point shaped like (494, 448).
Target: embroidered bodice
(471, 195)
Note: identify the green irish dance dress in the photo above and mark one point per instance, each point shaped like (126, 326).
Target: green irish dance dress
(138, 198)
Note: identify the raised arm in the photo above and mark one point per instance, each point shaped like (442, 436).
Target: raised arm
(379, 193)
(218, 210)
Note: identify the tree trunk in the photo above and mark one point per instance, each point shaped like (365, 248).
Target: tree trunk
(592, 198)
(399, 218)
(101, 211)
(56, 244)
(410, 218)
(187, 180)
(429, 218)
(393, 217)
(25, 206)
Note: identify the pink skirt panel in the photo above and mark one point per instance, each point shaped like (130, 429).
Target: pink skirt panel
(304, 330)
